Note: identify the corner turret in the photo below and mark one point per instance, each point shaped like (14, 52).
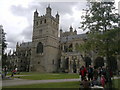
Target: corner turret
(71, 29)
(57, 17)
(48, 10)
(75, 32)
(17, 45)
(36, 14)
(61, 32)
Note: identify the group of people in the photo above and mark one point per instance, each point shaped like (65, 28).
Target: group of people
(5, 71)
(93, 76)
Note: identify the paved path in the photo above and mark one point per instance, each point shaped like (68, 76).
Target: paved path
(17, 81)
(27, 82)
(18, 75)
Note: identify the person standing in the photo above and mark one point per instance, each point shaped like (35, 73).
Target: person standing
(95, 73)
(102, 80)
(83, 72)
(5, 71)
(108, 77)
(90, 73)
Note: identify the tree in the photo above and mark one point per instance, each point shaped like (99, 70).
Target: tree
(4, 46)
(101, 21)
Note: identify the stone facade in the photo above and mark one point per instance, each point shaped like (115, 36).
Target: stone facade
(23, 53)
(69, 51)
(21, 57)
(45, 37)
(49, 52)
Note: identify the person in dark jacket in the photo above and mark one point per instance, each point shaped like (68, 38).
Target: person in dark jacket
(108, 78)
(90, 73)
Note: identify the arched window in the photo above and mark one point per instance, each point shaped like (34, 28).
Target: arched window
(36, 23)
(45, 21)
(39, 48)
(70, 47)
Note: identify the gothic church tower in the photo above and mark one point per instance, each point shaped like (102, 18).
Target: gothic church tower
(45, 43)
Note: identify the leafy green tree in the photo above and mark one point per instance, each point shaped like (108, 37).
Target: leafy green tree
(101, 21)
(4, 46)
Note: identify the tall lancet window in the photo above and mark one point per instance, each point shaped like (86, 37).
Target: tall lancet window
(39, 48)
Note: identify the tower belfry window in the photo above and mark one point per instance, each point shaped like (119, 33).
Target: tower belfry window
(39, 48)
(37, 23)
(41, 22)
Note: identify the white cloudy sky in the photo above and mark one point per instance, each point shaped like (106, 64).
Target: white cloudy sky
(16, 16)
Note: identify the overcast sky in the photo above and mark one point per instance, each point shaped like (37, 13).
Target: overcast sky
(16, 16)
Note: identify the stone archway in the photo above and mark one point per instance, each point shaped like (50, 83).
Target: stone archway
(66, 65)
(99, 62)
(74, 66)
(112, 63)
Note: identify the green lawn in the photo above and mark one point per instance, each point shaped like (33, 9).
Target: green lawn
(38, 76)
(50, 85)
(116, 83)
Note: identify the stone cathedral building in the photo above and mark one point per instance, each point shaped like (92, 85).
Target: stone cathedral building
(49, 52)
(51, 49)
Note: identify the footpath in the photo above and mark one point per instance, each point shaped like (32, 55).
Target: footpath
(17, 81)
(27, 82)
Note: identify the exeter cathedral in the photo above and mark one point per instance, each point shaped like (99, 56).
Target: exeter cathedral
(51, 49)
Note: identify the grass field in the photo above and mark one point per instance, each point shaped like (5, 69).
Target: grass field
(116, 83)
(38, 76)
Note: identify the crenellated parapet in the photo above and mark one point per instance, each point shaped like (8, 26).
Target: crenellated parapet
(68, 33)
(45, 19)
